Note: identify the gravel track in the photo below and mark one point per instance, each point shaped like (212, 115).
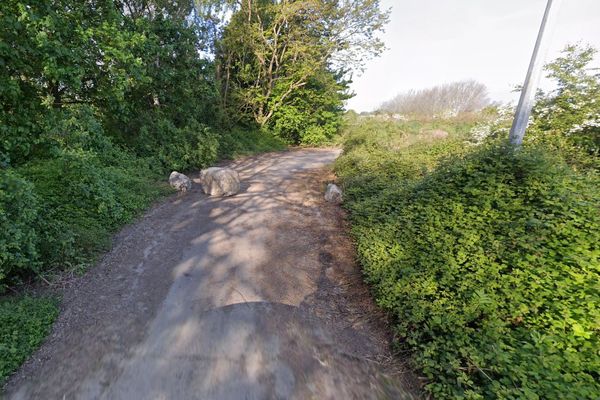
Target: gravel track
(255, 296)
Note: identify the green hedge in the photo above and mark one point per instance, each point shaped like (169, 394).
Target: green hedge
(85, 200)
(489, 264)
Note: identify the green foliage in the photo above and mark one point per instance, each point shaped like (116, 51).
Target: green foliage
(568, 117)
(85, 200)
(487, 258)
(381, 152)
(24, 323)
(238, 142)
(132, 67)
(281, 65)
(312, 116)
(18, 238)
(60, 209)
(55, 54)
(176, 87)
(193, 146)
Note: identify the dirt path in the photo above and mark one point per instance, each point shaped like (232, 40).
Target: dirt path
(255, 296)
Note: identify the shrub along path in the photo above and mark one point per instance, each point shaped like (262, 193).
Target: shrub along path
(252, 296)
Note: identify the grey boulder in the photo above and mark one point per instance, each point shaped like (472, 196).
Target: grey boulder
(333, 193)
(217, 181)
(180, 181)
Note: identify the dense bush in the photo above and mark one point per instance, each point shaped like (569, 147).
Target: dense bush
(239, 142)
(61, 207)
(192, 146)
(18, 238)
(488, 259)
(84, 200)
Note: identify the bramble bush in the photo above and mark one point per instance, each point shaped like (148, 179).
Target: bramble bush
(61, 207)
(490, 265)
(487, 258)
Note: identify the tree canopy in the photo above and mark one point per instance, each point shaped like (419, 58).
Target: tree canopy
(284, 59)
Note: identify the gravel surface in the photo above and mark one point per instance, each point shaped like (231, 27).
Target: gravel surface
(255, 296)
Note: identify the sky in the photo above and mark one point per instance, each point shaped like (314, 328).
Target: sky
(432, 42)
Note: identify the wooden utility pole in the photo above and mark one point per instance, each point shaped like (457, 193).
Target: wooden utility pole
(517, 131)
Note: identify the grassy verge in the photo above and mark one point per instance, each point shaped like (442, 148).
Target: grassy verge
(24, 323)
(487, 258)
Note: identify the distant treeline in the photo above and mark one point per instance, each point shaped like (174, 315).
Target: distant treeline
(446, 100)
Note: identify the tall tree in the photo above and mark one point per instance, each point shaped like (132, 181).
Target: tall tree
(130, 63)
(271, 49)
(57, 54)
